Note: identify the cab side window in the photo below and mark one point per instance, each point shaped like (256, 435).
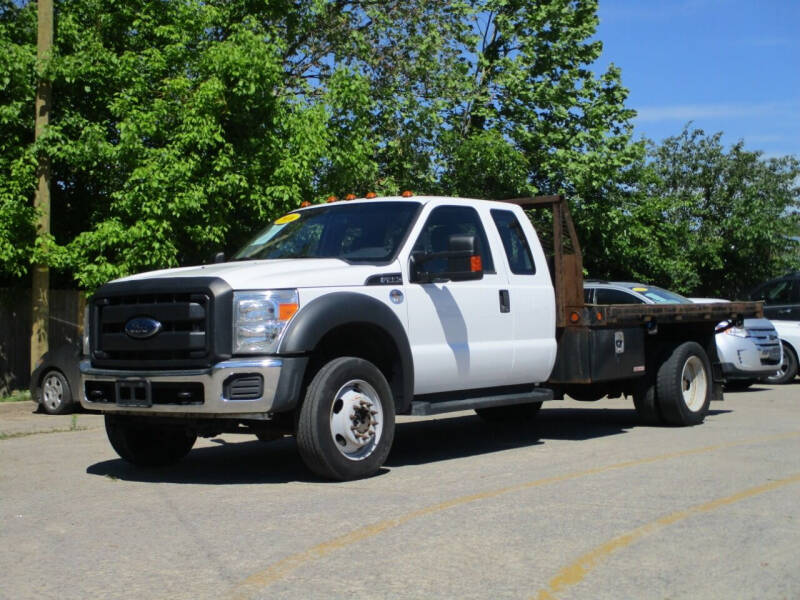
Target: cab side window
(611, 296)
(445, 221)
(778, 292)
(520, 259)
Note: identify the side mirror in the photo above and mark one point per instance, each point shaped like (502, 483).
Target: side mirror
(463, 263)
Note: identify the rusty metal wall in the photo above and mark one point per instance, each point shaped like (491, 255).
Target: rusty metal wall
(66, 324)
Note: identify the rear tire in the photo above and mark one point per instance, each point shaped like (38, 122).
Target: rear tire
(788, 369)
(346, 424)
(513, 412)
(646, 403)
(148, 445)
(683, 385)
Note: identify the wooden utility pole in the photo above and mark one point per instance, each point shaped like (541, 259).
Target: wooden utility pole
(40, 289)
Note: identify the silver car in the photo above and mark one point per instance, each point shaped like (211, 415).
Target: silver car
(746, 354)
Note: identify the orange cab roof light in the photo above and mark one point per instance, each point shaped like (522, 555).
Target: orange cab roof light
(305, 203)
(371, 195)
(350, 197)
(407, 194)
(332, 199)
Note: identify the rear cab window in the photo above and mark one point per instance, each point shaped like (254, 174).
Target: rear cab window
(518, 252)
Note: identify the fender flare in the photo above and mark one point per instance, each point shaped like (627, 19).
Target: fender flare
(333, 310)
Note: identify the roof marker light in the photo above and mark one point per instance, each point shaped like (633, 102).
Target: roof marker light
(407, 194)
(332, 199)
(371, 195)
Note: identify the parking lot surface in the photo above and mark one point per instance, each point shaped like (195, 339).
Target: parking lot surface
(581, 503)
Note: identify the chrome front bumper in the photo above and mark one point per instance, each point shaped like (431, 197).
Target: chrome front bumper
(214, 402)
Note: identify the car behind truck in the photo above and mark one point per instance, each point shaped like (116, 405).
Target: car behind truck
(338, 317)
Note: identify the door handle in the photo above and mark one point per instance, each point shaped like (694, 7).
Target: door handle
(505, 301)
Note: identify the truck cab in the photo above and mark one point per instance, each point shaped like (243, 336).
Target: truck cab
(435, 294)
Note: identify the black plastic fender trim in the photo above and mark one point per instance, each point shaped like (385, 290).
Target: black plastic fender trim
(333, 310)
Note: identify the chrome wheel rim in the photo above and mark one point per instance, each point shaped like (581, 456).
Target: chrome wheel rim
(356, 419)
(52, 392)
(694, 383)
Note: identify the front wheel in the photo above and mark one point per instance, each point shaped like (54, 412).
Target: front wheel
(788, 369)
(148, 445)
(55, 394)
(683, 385)
(346, 424)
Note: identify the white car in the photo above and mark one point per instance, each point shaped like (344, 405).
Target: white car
(746, 354)
(789, 332)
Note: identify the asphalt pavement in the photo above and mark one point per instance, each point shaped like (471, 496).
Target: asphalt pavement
(581, 503)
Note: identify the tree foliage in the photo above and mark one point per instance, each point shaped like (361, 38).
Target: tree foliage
(180, 126)
(704, 220)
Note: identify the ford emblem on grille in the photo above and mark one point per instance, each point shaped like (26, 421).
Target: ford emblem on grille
(142, 328)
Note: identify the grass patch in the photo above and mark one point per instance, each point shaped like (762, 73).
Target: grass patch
(17, 396)
(19, 434)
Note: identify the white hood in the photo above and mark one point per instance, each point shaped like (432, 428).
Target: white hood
(277, 274)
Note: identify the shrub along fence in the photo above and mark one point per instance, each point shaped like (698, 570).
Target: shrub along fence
(66, 326)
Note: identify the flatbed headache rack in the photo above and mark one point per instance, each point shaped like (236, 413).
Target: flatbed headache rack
(567, 273)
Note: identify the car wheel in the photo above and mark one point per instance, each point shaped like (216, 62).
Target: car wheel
(683, 385)
(55, 396)
(512, 412)
(148, 444)
(346, 423)
(788, 369)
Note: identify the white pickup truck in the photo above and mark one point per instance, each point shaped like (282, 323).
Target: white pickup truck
(337, 317)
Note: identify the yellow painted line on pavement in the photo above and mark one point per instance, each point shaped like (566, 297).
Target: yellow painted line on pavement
(575, 572)
(282, 568)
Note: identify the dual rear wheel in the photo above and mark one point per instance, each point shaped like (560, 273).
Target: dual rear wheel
(680, 393)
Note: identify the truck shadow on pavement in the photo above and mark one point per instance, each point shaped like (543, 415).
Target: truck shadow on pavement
(416, 443)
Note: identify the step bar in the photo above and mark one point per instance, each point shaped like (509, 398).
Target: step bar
(436, 408)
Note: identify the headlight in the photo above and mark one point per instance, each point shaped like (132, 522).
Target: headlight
(86, 331)
(259, 318)
(738, 332)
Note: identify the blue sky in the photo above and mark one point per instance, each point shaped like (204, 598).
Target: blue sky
(726, 65)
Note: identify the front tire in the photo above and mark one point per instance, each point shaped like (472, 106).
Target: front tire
(55, 395)
(346, 424)
(683, 385)
(148, 445)
(788, 369)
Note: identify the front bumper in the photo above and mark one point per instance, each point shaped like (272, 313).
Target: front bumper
(210, 402)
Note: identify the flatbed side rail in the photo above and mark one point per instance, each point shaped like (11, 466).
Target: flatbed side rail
(652, 314)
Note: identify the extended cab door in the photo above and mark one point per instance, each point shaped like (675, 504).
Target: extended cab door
(460, 334)
(531, 301)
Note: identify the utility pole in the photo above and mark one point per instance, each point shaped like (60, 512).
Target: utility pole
(40, 288)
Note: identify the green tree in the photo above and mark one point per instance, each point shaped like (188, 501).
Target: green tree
(17, 158)
(532, 83)
(181, 126)
(708, 221)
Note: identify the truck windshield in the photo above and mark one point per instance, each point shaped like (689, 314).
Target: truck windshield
(358, 232)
